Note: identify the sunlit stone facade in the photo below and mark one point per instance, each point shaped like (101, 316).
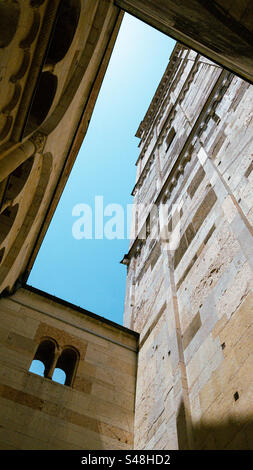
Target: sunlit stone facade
(189, 291)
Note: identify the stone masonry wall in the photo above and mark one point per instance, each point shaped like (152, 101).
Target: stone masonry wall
(38, 413)
(193, 303)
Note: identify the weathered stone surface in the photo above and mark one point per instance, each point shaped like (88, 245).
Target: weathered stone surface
(97, 411)
(46, 83)
(205, 283)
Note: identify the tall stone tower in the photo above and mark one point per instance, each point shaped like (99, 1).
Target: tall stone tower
(190, 261)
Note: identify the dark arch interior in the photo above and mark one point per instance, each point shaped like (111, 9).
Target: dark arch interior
(18, 178)
(2, 254)
(42, 101)
(7, 218)
(64, 31)
(9, 16)
(45, 353)
(67, 362)
(36, 3)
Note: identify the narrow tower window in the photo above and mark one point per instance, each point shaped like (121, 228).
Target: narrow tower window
(170, 138)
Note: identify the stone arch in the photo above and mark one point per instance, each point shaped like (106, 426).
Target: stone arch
(45, 353)
(64, 30)
(18, 179)
(32, 33)
(2, 254)
(7, 218)
(9, 17)
(29, 218)
(23, 67)
(82, 64)
(68, 361)
(6, 127)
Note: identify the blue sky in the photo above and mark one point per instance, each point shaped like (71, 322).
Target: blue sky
(86, 272)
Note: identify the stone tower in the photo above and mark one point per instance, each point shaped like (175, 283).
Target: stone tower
(190, 262)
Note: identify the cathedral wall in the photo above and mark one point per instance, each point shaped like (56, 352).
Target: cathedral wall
(192, 303)
(97, 410)
(216, 281)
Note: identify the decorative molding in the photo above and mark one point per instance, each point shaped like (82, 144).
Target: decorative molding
(160, 92)
(181, 97)
(172, 79)
(159, 97)
(144, 173)
(15, 79)
(185, 156)
(168, 122)
(39, 140)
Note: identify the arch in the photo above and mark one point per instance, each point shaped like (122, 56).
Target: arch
(32, 33)
(23, 67)
(14, 99)
(6, 127)
(7, 218)
(79, 70)
(67, 362)
(64, 30)
(42, 101)
(18, 179)
(31, 213)
(9, 17)
(46, 353)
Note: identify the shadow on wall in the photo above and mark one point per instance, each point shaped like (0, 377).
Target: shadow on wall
(233, 433)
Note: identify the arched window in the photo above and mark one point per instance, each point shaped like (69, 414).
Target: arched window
(46, 354)
(67, 362)
(50, 363)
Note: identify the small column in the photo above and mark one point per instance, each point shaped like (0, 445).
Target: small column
(12, 160)
(52, 366)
